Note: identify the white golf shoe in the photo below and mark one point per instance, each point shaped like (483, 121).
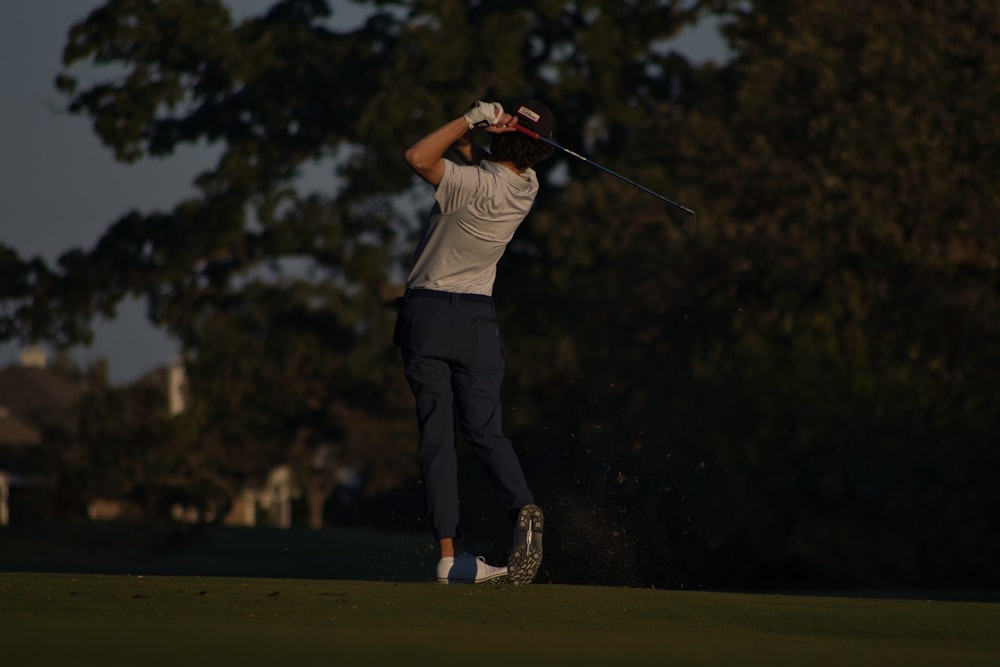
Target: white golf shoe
(467, 569)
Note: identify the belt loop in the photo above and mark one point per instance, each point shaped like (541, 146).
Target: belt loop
(455, 297)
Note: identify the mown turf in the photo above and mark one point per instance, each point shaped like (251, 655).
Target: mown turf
(52, 619)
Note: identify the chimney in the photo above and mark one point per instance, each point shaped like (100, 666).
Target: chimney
(176, 387)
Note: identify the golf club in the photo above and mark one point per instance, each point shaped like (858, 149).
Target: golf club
(538, 137)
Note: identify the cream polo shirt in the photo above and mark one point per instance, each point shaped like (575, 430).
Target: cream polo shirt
(476, 212)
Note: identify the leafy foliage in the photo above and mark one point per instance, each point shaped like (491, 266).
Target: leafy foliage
(800, 392)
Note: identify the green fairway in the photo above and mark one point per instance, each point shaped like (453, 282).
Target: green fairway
(58, 619)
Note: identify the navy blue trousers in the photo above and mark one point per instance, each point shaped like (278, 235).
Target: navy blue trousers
(453, 361)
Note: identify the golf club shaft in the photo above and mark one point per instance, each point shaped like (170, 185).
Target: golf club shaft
(538, 137)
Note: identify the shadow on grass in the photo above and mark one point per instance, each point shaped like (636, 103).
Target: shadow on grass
(336, 553)
(120, 548)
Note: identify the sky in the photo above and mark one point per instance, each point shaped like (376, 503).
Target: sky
(60, 188)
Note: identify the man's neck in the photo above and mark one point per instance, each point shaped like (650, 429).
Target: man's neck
(510, 165)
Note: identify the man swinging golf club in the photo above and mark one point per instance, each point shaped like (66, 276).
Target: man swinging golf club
(447, 328)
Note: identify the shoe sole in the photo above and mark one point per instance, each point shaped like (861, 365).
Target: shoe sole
(526, 556)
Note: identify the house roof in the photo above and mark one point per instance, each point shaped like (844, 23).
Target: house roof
(28, 393)
(14, 431)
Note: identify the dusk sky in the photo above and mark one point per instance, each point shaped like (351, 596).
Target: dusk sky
(60, 188)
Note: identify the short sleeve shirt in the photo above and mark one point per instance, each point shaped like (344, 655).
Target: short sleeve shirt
(476, 212)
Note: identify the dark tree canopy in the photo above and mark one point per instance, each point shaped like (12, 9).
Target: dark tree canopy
(799, 392)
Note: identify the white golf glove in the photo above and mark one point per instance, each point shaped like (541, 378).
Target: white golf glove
(483, 113)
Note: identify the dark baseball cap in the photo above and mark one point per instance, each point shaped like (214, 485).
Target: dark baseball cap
(534, 115)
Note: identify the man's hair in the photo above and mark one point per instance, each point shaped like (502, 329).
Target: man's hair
(520, 150)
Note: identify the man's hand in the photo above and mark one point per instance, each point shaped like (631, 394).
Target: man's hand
(505, 123)
(484, 114)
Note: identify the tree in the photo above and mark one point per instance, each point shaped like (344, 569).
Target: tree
(869, 247)
(792, 394)
(277, 298)
(798, 393)
(277, 92)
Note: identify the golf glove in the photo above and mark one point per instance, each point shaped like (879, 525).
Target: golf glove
(483, 113)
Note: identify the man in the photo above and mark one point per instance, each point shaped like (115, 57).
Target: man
(448, 331)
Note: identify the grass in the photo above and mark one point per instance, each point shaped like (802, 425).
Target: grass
(265, 597)
(61, 619)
